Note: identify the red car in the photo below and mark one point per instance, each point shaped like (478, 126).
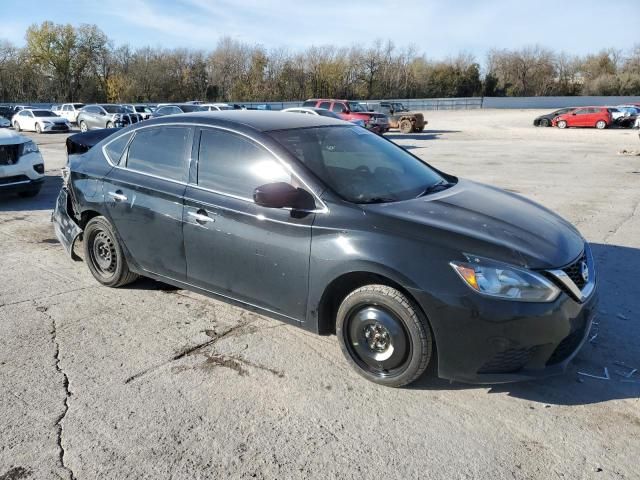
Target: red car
(349, 110)
(598, 117)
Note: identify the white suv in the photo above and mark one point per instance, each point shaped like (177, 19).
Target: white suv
(21, 165)
(70, 111)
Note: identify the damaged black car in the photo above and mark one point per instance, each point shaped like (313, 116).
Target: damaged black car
(324, 225)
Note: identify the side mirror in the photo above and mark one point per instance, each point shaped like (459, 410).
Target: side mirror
(102, 113)
(283, 195)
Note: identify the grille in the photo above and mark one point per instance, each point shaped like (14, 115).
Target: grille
(9, 154)
(567, 346)
(508, 361)
(59, 127)
(13, 179)
(574, 271)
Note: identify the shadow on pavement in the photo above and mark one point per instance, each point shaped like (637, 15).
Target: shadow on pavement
(426, 135)
(618, 342)
(45, 200)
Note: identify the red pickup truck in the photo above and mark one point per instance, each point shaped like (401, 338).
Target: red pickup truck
(349, 110)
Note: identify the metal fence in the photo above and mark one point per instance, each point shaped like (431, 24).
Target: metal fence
(411, 103)
(466, 103)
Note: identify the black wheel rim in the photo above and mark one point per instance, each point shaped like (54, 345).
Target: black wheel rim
(377, 340)
(103, 254)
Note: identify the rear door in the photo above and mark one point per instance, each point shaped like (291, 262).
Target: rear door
(234, 247)
(144, 197)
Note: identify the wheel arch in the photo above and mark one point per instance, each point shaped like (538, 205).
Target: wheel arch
(343, 284)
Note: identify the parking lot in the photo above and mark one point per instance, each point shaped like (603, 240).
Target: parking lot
(152, 382)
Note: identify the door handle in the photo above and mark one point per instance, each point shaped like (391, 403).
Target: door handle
(201, 217)
(118, 196)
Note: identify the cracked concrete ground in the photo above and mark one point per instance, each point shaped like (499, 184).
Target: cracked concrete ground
(153, 382)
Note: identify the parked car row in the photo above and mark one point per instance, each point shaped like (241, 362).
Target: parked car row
(599, 117)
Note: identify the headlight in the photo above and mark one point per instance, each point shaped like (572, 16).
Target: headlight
(500, 280)
(29, 147)
(45, 122)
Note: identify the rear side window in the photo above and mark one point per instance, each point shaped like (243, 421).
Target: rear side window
(233, 165)
(160, 151)
(338, 108)
(115, 148)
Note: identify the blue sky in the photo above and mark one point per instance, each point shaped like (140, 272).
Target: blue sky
(437, 28)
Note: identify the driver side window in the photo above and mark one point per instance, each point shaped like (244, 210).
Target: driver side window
(338, 108)
(234, 165)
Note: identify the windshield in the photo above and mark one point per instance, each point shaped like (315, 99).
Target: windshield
(356, 107)
(143, 109)
(43, 113)
(192, 108)
(399, 106)
(114, 109)
(358, 165)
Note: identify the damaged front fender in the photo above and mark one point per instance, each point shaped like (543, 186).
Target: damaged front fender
(67, 230)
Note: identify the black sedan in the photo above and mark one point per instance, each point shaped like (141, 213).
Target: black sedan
(545, 120)
(324, 225)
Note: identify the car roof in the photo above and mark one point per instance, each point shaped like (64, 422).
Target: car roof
(261, 120)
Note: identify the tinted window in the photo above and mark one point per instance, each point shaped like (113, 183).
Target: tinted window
(234, 165)
(114, 109)
(309, 103)
(44, 113)
(92, 109)
(338, 108)
(115, 148)
(66, 108)
(359, 165)
(325, 105)
(160, 151)
(581, 111)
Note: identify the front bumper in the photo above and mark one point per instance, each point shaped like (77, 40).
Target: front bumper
(26, 174)
(481, 340)
(378, 128)
(66, 229)
(56, 127)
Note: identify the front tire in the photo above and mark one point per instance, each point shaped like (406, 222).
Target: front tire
(104, 256)
(384, 335)
(601, 124)
(562, 124)
(38, 128)
(406, 126)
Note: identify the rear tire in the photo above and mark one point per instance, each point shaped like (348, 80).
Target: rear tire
(384, 335)
(406, 126)
(562, 124)
(545, 122)
(104, 256)
(601, 124)
(109, 125)
(419, 130)
(83, 126)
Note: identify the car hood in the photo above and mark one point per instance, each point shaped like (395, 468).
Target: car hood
(7, 137)
(53, 119)
(486, 221)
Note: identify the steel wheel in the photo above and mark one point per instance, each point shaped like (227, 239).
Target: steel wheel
(377, 340)
(384, 335)
(104, 256)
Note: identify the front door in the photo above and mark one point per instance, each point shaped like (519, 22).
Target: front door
(234, 247)
(144, 198)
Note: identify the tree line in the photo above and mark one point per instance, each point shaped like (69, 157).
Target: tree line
(66, 63)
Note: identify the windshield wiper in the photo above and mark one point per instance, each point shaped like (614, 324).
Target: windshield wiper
(436, 187)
